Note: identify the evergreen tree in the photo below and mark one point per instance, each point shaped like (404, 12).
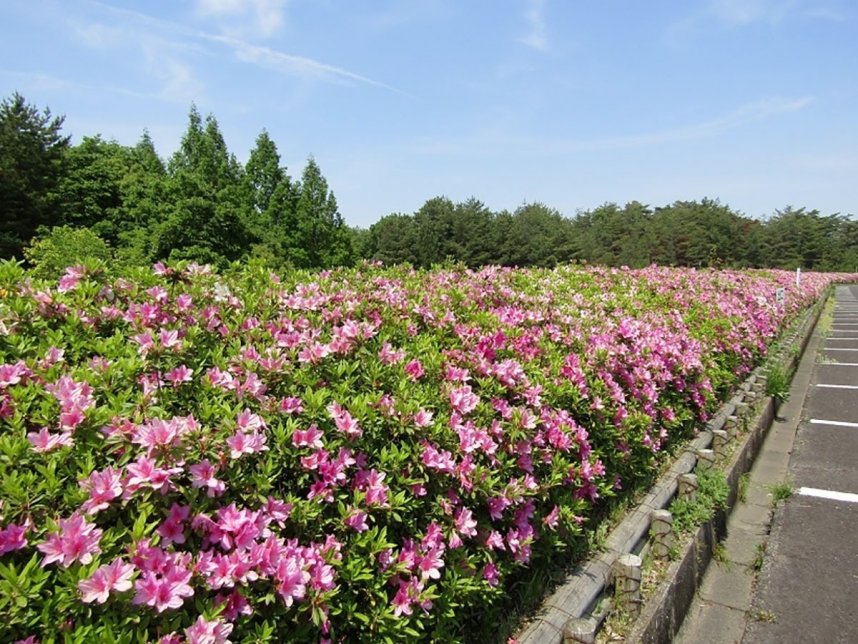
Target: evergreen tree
(262, 173)
(91, 188)
(320, 237)
(393, 240)
(535, 235)
(271, 203)
(434, 223)
(32, 155)
(207, 219)
(471, 241)
(145, 202)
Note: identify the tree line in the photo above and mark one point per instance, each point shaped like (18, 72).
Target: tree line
(201, 205)
(61, 202)
(701, 233)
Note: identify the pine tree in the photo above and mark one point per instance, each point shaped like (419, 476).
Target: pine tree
(32, 154)
(320, 237)
(207, 221)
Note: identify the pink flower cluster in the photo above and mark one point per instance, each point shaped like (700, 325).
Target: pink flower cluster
(367, 433)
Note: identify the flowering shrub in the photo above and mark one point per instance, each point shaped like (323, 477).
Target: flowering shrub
(357, 455)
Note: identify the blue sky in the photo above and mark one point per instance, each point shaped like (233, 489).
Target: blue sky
(572, 103)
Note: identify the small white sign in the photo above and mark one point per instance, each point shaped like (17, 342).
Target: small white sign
(780, 295)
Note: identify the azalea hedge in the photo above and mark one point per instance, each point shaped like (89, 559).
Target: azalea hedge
(359, 455)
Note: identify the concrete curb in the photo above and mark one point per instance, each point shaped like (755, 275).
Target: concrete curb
(665, 609)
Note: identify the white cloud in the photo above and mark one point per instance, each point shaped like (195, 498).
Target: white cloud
(536, 36)
(177, 79)
(164, 59)
(831, 14)
(748, 113)
(744, 13)
(99, 36)
(168, 46)
(245, 17)
(493, 140)
(291, 64)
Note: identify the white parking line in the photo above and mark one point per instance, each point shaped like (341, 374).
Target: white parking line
(838, 364)
(835, 423)
(839, 349)
(828, 494)
(838, 386)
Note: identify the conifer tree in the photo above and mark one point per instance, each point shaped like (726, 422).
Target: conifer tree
(32, 157)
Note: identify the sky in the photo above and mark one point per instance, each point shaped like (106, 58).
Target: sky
(572, 103)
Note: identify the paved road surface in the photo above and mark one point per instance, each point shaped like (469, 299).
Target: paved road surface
(808, 588)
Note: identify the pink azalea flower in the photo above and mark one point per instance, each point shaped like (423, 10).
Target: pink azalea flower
(249, 422)
(52, 357)
(203, 476)
(344, 421)
(550, 520)
(143, 472)
(402, 600)
(456, 374)
(373, 484)
(321, 575)
(113, 576)
(310, 437)
(430, 563)
(390, 356)
(291, 580)
(76, 540)
(490, 574)
(44, 441)
(423, 418)
(169, 339)
(71, 278)
(12, 374)
(291, 406)
(172, 530)
(494, 541)
(144, 342)
(357, 520)
(465, 523)
(13, 537)
(241, 443)
(163, 592)
(314, 353)
(179, 375)
(277, 511)
(414, 369)
(463, 400)
(216, 631)
(440, 460)
(236, 605)
(103, 486)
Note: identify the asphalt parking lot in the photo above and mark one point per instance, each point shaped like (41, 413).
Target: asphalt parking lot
(807, 590)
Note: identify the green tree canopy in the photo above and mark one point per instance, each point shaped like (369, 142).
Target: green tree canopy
(207, 218)
(32, 155)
